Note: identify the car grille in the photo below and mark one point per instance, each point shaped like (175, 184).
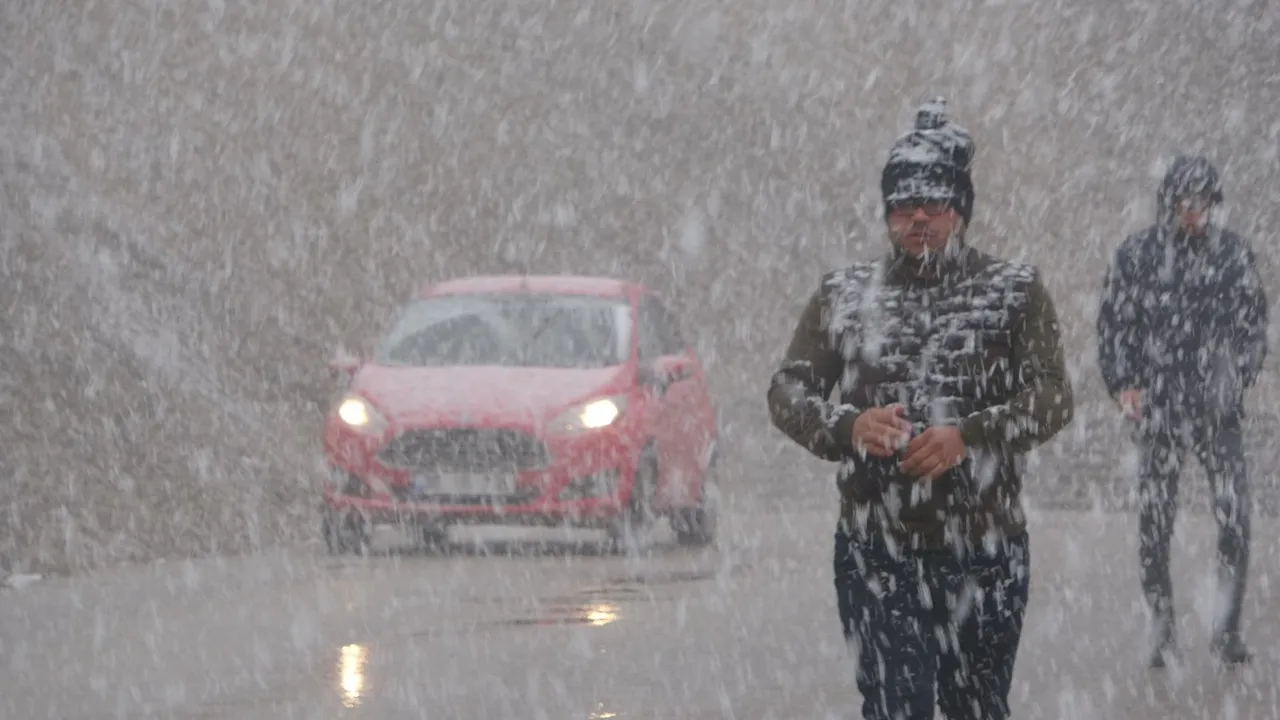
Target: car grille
(406, 494)
(465, 450)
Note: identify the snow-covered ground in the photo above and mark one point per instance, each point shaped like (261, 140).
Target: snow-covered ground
(745, 631)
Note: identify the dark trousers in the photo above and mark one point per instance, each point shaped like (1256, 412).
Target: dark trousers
(1220, 451)
(932, 628)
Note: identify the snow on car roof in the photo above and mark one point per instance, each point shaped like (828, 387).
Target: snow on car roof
(537, 284)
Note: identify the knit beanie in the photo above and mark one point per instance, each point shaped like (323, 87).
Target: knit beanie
(930, 163)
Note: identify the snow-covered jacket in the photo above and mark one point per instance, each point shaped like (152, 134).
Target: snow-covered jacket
(976, 345)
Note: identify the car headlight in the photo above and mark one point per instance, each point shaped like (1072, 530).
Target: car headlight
(590, 416)
(356, 412)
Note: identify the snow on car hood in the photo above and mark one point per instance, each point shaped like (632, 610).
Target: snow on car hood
(479, 394)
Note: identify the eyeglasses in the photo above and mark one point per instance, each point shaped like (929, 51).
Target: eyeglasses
(906, 212)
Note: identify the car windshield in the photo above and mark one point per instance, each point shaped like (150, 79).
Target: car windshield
(529, 330)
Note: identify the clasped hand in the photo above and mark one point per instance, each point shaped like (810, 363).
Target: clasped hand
(883, 431)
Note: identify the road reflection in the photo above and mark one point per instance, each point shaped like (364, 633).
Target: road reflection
(596, 614)
(351, 665)
(602, 714)
(601, 614)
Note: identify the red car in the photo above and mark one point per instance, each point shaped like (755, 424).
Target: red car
(523, 400)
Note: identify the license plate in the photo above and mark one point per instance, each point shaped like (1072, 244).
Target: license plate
(464, 484)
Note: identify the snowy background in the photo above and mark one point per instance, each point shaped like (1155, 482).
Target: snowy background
(200, 200)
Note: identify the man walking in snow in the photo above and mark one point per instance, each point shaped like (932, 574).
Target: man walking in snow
(949, 368)
(1181, 336)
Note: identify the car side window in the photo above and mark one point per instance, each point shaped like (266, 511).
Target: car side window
(659, 334)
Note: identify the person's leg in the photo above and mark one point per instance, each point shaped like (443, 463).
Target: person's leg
(1222, 454)
(879, 598)
(1160, 465)
(976, 674)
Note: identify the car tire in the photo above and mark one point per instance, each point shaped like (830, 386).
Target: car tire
(345, 532)
(697, 526)
(637, 517)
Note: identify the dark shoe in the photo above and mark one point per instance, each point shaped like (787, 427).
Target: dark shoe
(1229, 649)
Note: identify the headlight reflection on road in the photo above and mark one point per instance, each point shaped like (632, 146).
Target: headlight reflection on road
(602, 614)
(601, 714)
(351, 663)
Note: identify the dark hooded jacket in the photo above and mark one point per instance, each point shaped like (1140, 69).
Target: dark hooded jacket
(1183, 319)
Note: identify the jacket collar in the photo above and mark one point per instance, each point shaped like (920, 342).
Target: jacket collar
(941, 269)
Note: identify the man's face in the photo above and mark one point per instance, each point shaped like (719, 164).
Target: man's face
(1193, 213)
(923, 228)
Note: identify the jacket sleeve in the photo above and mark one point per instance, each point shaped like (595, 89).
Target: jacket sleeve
(1119, 326)
(1251, 322)
(799, 390)
(1045, 404)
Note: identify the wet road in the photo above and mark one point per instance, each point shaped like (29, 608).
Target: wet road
(747, 630)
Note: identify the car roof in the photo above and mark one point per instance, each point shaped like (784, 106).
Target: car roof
(535, 284)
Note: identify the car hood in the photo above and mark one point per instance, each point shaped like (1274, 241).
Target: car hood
(479, 395)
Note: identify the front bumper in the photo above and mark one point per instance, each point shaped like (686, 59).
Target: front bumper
(390, 511)
(584, 482)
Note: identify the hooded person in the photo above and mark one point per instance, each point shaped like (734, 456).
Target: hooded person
(1181, 337)
(947, 367)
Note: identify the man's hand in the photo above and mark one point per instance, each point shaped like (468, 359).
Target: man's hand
(1131, 404)
(934, 452)
(881, 431)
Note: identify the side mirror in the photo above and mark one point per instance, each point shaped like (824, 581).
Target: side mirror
(651, 375)
(344, 364)
(678, 368)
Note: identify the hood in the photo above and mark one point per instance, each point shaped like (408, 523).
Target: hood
(1187, 175)
(480, 394)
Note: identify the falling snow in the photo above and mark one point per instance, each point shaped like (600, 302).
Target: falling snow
(201, 201)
